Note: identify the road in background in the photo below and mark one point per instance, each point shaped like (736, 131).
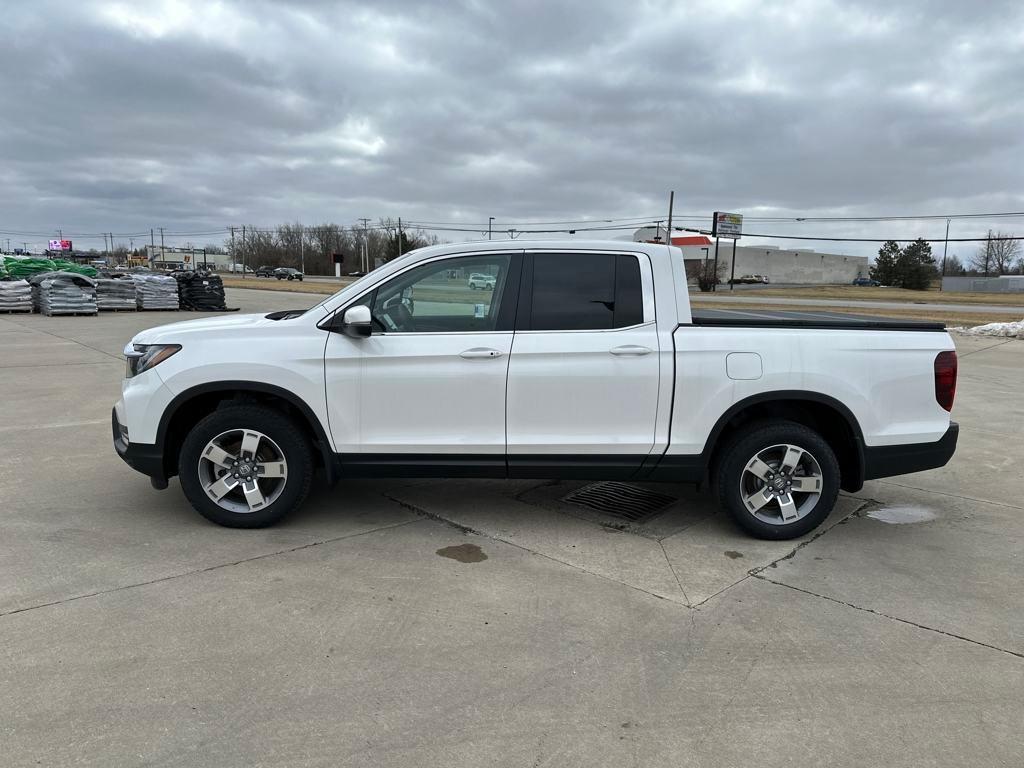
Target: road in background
(724, 298)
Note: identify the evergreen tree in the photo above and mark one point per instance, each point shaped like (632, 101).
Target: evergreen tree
(884, 268)
(915, 266)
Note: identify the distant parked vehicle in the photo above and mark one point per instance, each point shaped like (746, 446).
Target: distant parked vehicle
(288, 273)
(265, 271)
(240, 268)
(750, 280)
(866, 281)
(478, 281)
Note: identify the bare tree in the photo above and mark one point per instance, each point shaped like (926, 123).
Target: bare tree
(997, 255)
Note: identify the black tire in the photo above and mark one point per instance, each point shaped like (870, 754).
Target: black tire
(760, 437)
(282, 430)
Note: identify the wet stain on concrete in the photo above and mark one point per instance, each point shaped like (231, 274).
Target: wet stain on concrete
(733, 554)
(464, 553)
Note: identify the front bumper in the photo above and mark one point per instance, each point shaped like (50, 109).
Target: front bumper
(142, 457)
(890, 460)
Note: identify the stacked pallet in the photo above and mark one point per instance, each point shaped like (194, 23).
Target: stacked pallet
(63, 293)
(155, 291)
(201, 291)
(15, 296)
(115, 293)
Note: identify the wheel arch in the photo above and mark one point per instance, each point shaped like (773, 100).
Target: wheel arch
(829, 417)
(194, 403)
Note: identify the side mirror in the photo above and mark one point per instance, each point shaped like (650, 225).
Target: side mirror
(357, 322)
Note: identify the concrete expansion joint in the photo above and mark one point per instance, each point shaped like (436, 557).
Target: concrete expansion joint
(216, 567)
(467, 530)
(889, 617)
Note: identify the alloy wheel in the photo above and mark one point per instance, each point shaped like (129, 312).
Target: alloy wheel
(781, 484)
(242, 470)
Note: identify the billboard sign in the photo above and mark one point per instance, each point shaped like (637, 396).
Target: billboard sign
(727, 225)
(60, 245)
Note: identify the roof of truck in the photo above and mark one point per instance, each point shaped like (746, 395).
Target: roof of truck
(533, 245)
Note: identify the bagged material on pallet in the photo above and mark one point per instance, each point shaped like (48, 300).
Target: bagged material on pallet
(114, 293)
(201, 291)
(155, 291)
(63, 293)
(22, 268)
(15, 296)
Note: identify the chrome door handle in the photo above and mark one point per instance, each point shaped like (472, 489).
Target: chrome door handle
(475, 352)
(630, 349)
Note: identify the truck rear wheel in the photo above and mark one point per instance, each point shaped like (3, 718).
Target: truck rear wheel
(778, 480)
(245, 466)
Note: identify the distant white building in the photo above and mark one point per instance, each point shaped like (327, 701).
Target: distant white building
(801, 265)
(188, 258)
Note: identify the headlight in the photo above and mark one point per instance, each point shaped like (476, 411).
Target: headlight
(142, 357)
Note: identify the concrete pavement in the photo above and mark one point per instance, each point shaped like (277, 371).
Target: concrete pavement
(135, 633)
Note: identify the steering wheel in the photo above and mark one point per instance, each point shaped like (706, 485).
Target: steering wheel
(396, 315)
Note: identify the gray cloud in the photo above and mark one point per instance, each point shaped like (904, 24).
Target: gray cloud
(192, 115)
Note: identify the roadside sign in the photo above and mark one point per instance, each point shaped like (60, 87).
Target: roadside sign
(727, 225)
(60, 245)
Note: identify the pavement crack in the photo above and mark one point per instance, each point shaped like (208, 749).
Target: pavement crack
(889, 616)
(950, 495)
(983, 349)
(673, 570)
(466, 529)
(194, 571)
(792, 553)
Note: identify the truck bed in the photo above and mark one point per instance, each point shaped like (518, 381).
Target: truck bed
(772, 318)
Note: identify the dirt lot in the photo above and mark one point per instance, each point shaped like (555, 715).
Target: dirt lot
(469, 623)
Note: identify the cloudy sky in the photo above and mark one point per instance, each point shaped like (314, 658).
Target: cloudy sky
(122, 116)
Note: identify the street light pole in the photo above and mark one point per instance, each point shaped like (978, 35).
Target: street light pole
(490, 220)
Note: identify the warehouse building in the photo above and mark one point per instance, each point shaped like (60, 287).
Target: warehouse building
(801, 265)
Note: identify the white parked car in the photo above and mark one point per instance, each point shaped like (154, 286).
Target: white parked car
(482, 282)
(587, 363)
(240, 268)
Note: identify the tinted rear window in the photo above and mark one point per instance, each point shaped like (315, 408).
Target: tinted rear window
(583, 291)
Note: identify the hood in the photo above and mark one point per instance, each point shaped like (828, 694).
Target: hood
(169, 334)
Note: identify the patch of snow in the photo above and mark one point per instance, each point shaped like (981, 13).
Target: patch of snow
(1014, 330)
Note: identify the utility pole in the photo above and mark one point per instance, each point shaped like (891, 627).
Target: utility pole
(399, 237)
(490, 221)
(945, 250)
(243, 252)
(988, 251)
(152, 247)
(366, 244)
(163, 254)
(234, 253)
(668, 232)
(302, 249)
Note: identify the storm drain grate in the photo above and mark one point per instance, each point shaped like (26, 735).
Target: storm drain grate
(620, 500)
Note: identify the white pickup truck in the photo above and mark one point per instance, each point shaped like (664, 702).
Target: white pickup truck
(580, 360)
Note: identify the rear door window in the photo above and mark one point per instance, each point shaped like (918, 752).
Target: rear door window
(584, 291)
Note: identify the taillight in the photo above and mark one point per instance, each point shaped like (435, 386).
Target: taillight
(945, 379)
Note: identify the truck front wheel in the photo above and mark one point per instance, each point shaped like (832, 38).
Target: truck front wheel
(778, 479)
(245, 466)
